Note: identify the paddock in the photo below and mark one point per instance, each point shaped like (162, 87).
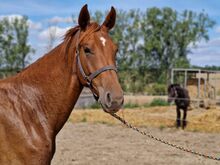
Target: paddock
(94, 137)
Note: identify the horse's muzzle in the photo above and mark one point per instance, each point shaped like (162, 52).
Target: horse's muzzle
(111, 103)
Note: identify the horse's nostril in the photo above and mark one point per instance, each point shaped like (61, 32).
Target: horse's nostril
(108, 99)
(122, 102)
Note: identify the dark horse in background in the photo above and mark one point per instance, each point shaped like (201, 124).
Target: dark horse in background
(35, 103)
(182, 100)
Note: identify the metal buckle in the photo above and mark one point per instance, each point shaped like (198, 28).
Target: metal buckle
(77, 51)
(88, 82)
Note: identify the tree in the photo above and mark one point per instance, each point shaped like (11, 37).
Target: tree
(7, 45)
(127, 34)
(14, 47)
(168, 35)
(23, 48)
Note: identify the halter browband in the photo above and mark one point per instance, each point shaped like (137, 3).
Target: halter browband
(89, 78)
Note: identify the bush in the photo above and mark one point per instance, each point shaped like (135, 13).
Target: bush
(96, 105)
(130, 105)
(157, 89)
(159, 102)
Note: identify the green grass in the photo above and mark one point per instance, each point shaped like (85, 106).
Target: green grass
(162, 127)
(95, 105)
(131, 105)
(158, 102)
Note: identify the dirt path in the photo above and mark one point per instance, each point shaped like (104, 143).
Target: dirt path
(101, 144)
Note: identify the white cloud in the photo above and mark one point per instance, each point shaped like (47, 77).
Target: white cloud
(57, 19)
(203, 58)
(215, 42)
(54, 30)
(217, 29)
(34, 25)
(206, 53)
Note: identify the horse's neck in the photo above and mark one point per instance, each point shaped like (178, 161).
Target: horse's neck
(57, 86)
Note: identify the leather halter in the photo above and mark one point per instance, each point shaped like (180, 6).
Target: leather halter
(89, 78)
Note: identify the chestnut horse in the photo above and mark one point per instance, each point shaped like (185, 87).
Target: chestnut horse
(36, 102)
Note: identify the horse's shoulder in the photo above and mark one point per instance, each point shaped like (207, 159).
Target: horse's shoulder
(18, 111)
(14, 101)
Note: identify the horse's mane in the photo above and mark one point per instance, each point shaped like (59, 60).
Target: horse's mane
(173, 86)
(71, 32)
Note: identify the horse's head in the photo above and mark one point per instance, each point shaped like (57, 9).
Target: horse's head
(172, 92)
(96, 55)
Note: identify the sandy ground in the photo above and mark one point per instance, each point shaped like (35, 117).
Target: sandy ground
(102, 144)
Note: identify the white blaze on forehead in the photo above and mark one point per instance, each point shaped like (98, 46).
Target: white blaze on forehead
(103, 40)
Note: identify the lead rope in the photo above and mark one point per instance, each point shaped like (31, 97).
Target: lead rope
(163, 141)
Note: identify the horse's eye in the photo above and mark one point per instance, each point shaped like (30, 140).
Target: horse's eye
(87, 50)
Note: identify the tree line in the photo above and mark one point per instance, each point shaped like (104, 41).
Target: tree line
(150, 43)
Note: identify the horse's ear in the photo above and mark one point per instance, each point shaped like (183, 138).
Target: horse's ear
(110, 19)
(84, 17)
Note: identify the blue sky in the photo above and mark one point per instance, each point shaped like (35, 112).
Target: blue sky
(56, 16)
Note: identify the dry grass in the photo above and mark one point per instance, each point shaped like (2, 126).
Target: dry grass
(209, 121)
(161, 117)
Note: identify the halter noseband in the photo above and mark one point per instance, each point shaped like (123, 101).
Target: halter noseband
(89, 78)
